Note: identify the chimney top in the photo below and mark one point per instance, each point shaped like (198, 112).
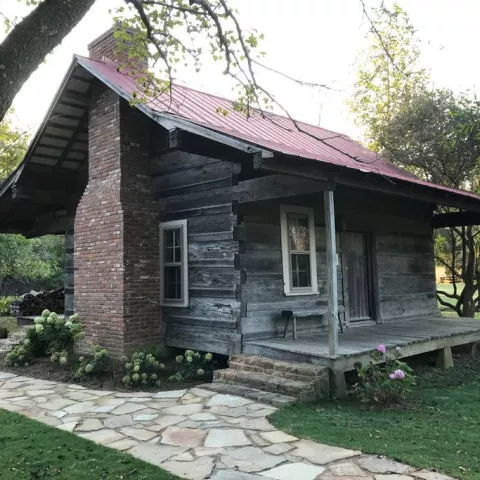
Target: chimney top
(108, 46)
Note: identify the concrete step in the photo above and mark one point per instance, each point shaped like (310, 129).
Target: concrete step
(290, 370)
(274, 399)
(304, 391)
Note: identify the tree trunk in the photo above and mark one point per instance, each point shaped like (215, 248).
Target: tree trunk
(469, 274)
(27, 45)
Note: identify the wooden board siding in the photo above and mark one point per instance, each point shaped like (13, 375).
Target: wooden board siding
(199, 189)
(406, 275)
(261, 259)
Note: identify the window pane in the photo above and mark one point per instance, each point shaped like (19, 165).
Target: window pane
(301, 270)
(173, 249)
(173, 283)
(298, 233)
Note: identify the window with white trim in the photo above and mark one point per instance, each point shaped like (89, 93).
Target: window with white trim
(298, 250)
(174, 263)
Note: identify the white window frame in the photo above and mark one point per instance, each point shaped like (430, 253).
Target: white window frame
(286, 256)
(174, 225)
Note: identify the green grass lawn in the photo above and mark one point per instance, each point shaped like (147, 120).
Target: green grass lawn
(30, 450)
(10, 323)
(442, 432)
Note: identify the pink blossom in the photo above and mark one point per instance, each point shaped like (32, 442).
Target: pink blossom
(381, 349)
(400, 374)
(392, 376)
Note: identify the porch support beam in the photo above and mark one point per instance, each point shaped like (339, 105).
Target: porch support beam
(332, 288)
(456, 219)
(277, 186)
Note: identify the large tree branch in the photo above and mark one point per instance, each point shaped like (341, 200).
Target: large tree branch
(31, 40)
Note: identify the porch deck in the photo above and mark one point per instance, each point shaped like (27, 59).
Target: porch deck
(414, 336)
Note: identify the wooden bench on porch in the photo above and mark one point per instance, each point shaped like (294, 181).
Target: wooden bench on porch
(292, 316)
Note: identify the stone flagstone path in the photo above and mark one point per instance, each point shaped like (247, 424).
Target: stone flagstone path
(195, 434)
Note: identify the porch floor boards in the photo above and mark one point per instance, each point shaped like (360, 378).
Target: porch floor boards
(414, 336)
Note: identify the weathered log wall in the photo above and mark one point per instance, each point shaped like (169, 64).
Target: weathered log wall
(199, 189)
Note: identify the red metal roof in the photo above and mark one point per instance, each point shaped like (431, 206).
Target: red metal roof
(271, 132)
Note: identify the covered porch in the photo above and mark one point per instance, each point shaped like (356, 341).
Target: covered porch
(414, 336)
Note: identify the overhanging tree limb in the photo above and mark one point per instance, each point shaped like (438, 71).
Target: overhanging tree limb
(32, 39)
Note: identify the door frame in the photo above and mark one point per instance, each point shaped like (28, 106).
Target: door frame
(371, 275)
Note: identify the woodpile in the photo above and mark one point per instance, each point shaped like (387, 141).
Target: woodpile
(34, 303)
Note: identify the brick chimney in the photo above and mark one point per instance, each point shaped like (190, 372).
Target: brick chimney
(115, 49)
(116, 237)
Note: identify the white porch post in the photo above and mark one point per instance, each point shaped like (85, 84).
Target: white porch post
(331, 273)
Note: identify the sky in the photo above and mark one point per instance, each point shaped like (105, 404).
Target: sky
(315, 40)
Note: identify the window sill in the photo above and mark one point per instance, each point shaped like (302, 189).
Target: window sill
(299, 293)
(174, 304)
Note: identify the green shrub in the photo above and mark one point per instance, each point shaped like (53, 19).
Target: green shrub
(193, 365)
(5, 303)
(21, 355)
(141, 369)
(51, 336)
(94, 365)
(385, 380)
(3, 332)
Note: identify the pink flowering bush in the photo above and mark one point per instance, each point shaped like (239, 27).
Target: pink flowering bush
(385, 380)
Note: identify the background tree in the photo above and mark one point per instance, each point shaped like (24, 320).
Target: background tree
(388, 71)
(433, 134)
(437, 136)
(13, 144)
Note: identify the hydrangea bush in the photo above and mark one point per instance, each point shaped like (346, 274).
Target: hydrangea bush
(385, 380)
(141, 369)
(21, 355)
(51, 335)
(193, 365)
(94, 365)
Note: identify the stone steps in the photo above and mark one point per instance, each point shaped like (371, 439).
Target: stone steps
(301, 381)
(274, 399)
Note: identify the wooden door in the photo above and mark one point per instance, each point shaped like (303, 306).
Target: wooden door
(357, 288)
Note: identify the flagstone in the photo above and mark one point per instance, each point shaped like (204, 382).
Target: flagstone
(165, 421)
(68, 427)
(155, 454)
(133, 395)
(183, 437)
(196, 470)
(127, 408)
(38, 393)
(184, 409)
(278, 448)
(145, 417)
(227, 400)
(58, 404)
(431, 475)
(124, 444)
(89, 425)
(321, 454)
(81, 407)
(58, 414)
(189, 424)
(201, 392)
(208, 452)
(347, 469)
(51, 421)
(138, 433)
(226, 438)
(256, 456)
(103, 436)
(277, 436)
(6, 375)
(170, 394)
(294, 470)
(183, 457)
(376, 464)
(241, 465)
(201, 417)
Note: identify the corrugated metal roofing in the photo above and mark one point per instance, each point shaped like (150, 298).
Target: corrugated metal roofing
(272, 132)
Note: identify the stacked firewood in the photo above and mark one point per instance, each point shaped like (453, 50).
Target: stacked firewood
(34, 303)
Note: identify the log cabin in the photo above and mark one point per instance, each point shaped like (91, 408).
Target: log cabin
(192, 228)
